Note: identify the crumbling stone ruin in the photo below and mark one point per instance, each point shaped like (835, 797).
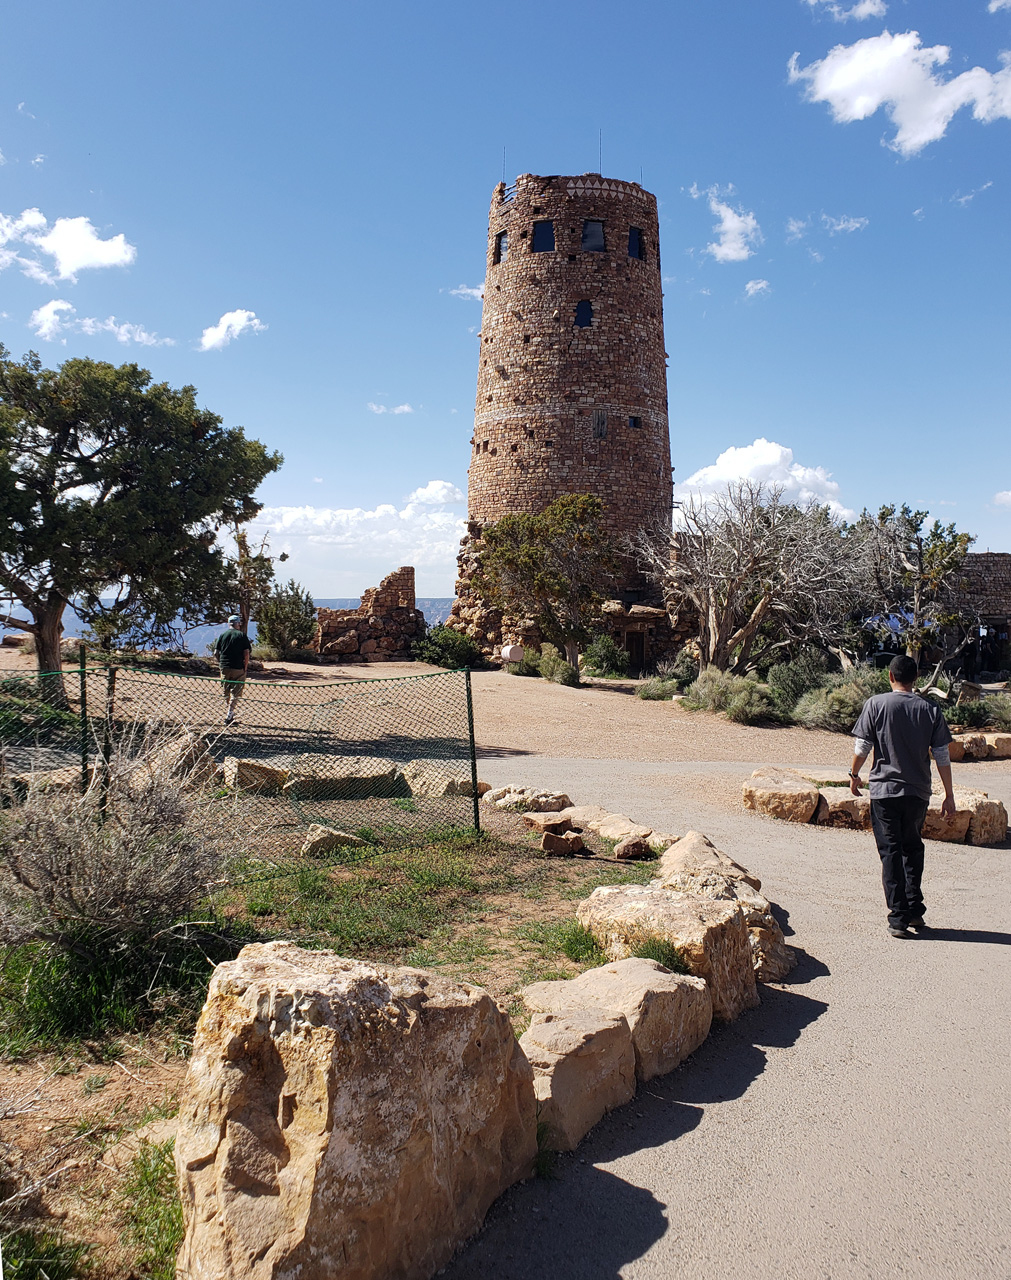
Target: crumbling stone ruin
(381, 629)
(572, 379)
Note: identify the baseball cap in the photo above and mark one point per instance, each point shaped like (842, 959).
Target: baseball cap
(233, 618)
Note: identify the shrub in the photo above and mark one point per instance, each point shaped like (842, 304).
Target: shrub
(973, 715)
(444, 647)
(651, 946)
(840, 699)
(554, 667)
(789, 681)
(605, 658)
(682, 668)
(579, 944)
(287, 618)
(749, 704)
(999, 708)
(657, 690)
(530, 666)
(265, 653)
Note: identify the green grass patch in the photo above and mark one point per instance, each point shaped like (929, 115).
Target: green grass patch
(151, 1210)
(42, 1255)
(563, 937)
(650, 946)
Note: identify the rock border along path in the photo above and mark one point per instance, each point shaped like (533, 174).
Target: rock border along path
(854, 1125)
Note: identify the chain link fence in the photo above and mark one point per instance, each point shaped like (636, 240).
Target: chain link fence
(303, 768)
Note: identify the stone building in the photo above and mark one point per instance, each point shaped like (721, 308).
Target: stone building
(381, 629)
(572, 377)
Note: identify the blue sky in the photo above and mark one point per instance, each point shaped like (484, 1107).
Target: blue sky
(296, 197)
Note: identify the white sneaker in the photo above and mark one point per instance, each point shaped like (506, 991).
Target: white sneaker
(229, 717)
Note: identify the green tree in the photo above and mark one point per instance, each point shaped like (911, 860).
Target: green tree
(112, 491)
(287, 618)
(254, 572)
(554, 568)
(915, 574)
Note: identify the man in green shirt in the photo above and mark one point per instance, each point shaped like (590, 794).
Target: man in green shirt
(232, 652)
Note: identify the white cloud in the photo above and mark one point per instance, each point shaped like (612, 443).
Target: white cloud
(899, 74)
(317, 479)
(46, 321)
(39, 160)
(3, 158)
(816, 256)
(796, 228)
(339, 551)
(918, 214)
(49, 324)
(738, 231)
(24, 111)
(996, 5)
(437, 493)
(231, 325)
(836, 226)
(769, 463)
(465, 291)
(862, 9)
(385, 408)
(756, 287)
(1003, 499)
(964, 200)
(73, 243)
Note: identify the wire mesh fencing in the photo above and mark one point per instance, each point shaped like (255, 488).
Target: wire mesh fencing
(297, 769)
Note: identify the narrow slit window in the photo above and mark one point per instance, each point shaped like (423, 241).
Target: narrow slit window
(593, 236)
(599, 424)
(635, 423)
(584, 314)
(544, 238)
(501, 247)
(635, 246)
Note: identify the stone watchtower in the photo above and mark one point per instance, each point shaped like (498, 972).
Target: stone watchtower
(572, 378)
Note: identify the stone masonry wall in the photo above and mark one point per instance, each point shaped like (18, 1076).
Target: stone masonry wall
(986, 584)
(381, 629)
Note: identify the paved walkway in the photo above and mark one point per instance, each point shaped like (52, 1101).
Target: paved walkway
(856, 1125)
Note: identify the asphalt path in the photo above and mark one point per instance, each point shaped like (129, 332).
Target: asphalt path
(857, 1124)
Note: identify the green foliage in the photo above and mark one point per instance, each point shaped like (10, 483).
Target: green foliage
(113, 487)
(973, 715)
(789, 681)
(150, 1206)
(553, 567)
(42, 1255)
(25, 715)
(742, 700)
(287, 618)
(651, 946)
(552, 666)
(603, 657)
(530, 666)
(265, 653)
(657, 690)
(682, 668)
(443, 646)
(579, 944)
(838, 701)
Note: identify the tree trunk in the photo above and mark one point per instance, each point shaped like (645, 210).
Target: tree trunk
(572, 653)
(47, 653)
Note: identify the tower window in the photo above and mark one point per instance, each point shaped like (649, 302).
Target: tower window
(593, 236)
(636, 423)
(635, 246)
(599, 424)
(584, 313)
(544, 238)
(501, 247)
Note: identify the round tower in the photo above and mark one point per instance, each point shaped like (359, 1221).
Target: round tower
(572, 379)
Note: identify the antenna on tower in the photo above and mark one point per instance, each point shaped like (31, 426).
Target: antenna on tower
(640, 175)
(600, 151)
(503, 164)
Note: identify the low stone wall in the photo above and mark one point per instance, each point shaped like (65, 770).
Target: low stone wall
(381, 629)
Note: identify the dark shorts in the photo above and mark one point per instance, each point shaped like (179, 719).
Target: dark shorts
(232, 681)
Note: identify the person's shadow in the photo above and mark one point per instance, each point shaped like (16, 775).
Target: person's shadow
(965, 935)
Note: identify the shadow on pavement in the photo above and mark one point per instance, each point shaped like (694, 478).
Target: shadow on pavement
(808, 968)
(499, 753)
(966, 935)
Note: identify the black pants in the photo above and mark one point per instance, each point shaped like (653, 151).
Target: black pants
(897, 821)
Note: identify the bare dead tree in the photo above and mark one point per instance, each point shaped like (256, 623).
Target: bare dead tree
(751, 566)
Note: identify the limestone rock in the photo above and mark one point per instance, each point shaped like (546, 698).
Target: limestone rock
(978, 819)
(711, 936)
(633, 848)
(781, 793)
(770, 955)
(974, 746)
(254, 775)
(669, 1014)
(325, 777)
(187, 757)
(66, 779)
(936, 827)
(432, 779)
(589, 816)
(839, 807)
(696, 852)
(956, 751)
(565, 845)
(529, 798)
(320, 840)
(344, 1118)
(617, 827)
(999, 746)
(553, 822)
(659, 841)
(825, 775)
(584, 1066)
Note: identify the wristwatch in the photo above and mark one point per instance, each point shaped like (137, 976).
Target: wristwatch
(855, 775)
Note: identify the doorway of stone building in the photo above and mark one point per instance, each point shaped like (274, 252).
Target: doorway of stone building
(635, 644)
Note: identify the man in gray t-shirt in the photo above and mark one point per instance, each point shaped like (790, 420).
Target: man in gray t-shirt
(903, 730)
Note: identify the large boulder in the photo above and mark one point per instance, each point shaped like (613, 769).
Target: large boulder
(669, 1014)
(254, 775)
(324, 777)
(617, 827)
(634, 848)
(584, 1066)
(696, 852)
(999, 746)
(433, 779)
(565, 845)
(186, 757)
(320, 841)
(529, 798)
(977, 819)
(781, 793)
(585, 815)
(839, 807)
(344, 1118)
(553, 822)
(972, 746)
(712, 937)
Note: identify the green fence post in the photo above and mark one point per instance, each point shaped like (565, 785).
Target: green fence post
(84, 721)
(473, 754)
